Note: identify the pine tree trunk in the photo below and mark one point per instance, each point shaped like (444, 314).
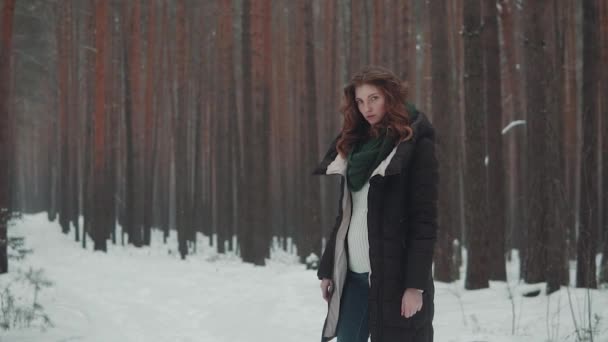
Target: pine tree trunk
(64, 40)
(476, 206)
(76, 126)
(130, 88)
(256, 241)
(310, 229)
(179, 131)
(6, 35)
(588, 213)
(88, 211)
(457, 106)
(571, 133)
(109, 216)
(604, 134)
(443, 119)
(536, 70)
(98, 227)
(226, 101)
(149, 136)
(555, 177)
(496, 167)
(511, 112)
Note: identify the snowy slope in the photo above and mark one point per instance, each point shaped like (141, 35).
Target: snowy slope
(152, 295)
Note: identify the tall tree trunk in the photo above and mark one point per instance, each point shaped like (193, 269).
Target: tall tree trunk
(132, 59)
(310, 232)
(222, 122)
(293, 131)
(206, 132)
(74, 142)
(588, 213)
(64, 43)
(536, 70)
(457, 106)
(514, 51)
(443, 119)
(571, 132)
(604, 133)
(98, 228)
(544, 257)
(511, 108)
(88, 187)
(256, 240)
(555, 176)
(112, 133)
(179, 132)
(149, 136)
(6, 36)
(476, 206)
(496, 167)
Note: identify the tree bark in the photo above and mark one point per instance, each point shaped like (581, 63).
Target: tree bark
(179, 132)
(149, 129)
(535, 262)
(98, 227)
(64, 47)
(443, 120)
(604, 134)
(496, 167)
(6, 36)
(588, 213)
(476, 206)
(554, 175)
(255, 242)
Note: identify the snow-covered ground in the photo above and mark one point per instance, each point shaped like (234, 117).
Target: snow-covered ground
(151, 295)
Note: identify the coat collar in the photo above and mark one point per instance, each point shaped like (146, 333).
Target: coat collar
(334, 163)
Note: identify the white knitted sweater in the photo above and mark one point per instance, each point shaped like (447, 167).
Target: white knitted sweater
(358, 243)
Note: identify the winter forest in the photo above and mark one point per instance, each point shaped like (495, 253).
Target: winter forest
(157, 146)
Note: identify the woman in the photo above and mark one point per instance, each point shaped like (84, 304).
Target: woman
(375, 271)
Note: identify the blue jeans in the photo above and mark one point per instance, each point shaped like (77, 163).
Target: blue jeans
(353, 320)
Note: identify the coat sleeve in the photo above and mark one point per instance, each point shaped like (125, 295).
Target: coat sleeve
(326, 266)
(422, 214)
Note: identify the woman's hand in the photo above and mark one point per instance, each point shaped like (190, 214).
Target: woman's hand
(327, 287)
(411, 302)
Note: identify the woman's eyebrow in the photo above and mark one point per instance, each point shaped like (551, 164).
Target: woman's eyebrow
(367, 96)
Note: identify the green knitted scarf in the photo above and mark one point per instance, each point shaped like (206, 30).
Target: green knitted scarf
(365, 157)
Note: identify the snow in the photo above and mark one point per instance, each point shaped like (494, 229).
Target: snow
(512, 124)
(150, 294)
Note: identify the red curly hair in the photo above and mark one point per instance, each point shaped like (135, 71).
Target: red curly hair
(397, 119)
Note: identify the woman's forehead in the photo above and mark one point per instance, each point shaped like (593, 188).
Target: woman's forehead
(366, 90)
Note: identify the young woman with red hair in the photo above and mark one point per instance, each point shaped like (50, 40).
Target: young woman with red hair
(375, 271)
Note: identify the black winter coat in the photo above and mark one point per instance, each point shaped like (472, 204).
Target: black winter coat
(402, 226)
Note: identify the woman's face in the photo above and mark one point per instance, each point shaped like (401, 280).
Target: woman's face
(370, 102)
